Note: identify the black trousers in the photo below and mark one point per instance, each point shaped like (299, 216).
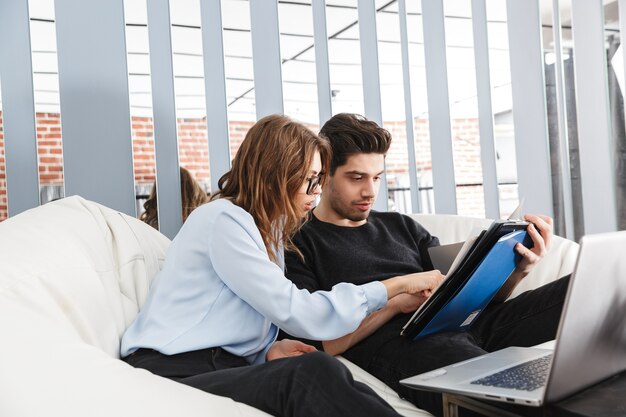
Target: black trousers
(528, 319)
(313, 384)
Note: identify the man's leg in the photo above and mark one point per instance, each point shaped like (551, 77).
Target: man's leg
(400, 357)
(529, 319)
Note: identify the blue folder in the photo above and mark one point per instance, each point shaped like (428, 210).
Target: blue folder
(466, 302)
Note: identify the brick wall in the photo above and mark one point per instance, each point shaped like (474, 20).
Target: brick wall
(466, 154)
(193, 150)
(466, 149)
(467, 167)
(237, 132)
(49, 149)
(193, 154)
(143, 149)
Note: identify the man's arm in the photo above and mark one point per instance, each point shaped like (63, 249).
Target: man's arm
(304, 277)
(303, 272)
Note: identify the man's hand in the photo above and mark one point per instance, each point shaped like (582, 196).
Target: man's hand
(286, 348)
(540, 231)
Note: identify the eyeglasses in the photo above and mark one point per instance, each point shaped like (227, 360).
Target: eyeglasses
(313, 183)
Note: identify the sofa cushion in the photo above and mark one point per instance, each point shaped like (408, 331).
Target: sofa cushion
(450, 228)
(86, 261)
(72, 274)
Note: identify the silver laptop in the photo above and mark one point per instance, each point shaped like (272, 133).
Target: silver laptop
(590, 344)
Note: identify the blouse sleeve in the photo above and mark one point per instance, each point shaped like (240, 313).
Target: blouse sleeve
(242, 263)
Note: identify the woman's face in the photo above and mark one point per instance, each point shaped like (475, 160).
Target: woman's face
(304, 201)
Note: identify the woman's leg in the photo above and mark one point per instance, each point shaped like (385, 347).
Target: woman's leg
(185, 364)
(313, 384)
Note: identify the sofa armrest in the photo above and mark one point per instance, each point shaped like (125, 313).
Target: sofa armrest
(450, 228)
(402, 406)
(47, 369)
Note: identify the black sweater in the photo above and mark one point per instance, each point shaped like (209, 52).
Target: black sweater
(389, 244)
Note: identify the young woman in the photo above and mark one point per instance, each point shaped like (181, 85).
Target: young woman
(212, 314)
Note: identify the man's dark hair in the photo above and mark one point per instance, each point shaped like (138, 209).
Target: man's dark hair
(350, 134)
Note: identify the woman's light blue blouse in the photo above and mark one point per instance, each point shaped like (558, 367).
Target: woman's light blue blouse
(218, 287)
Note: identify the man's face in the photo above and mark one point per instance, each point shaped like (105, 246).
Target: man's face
(351, 191)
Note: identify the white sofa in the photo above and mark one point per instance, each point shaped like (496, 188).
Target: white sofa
(73, 275)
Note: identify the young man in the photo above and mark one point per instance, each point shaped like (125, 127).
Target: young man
(347, 242)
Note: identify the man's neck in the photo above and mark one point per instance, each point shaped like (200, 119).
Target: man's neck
(325, 213)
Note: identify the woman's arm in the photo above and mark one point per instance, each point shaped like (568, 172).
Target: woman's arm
(287, 348)
(413, 283)
(239, 258)
(403, 303)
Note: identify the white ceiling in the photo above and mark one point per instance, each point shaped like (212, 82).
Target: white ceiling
(299, 75)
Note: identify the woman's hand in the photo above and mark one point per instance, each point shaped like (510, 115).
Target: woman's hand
(419, 283)
(286, 348)
(407, 303)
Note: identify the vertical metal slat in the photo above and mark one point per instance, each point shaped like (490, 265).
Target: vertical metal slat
(371, 80)
(18, 113)
(408, 109)
(439, 107)
(485, 110)
(215, 90)
(95, 110)
(593, 114)
(322, 67)
(566, 181)
(164, 118)
(529, 106)
(268, 84)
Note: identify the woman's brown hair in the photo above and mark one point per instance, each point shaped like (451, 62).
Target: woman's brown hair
(268, 171)
(191, 193)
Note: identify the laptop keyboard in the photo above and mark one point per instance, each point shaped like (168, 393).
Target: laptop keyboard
(527, 376)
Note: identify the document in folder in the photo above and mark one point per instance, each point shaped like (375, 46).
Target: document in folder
(472, 281)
